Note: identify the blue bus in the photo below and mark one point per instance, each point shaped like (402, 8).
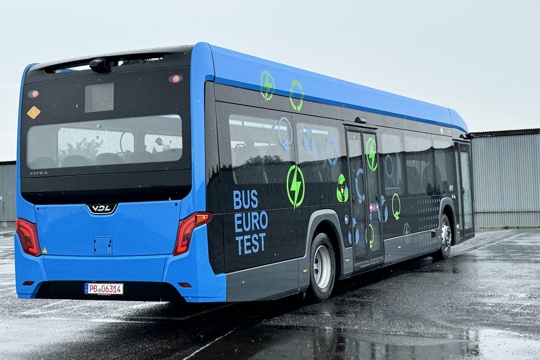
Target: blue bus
(201, 174)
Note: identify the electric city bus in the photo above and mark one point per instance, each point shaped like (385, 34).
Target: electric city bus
(200, 174)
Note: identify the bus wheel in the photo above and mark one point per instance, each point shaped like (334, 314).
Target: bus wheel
(323, 268)
(446, 240)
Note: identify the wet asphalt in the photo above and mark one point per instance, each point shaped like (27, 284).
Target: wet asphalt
(481, 303)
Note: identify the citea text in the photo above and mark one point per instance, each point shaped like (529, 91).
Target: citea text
(250, 225)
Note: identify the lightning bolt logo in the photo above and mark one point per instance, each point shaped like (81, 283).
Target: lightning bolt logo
(268, 85)
(295, 186)
(371, 152)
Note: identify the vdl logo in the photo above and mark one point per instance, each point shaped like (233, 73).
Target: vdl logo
(101, 209)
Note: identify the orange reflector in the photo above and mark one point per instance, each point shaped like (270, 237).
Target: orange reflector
(33, 112)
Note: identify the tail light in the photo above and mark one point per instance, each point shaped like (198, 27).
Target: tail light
(28, 236)
(185, 230)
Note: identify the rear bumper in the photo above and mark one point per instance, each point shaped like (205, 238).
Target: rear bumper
(144, 277)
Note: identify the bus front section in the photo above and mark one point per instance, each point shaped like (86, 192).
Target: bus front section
(105, 197)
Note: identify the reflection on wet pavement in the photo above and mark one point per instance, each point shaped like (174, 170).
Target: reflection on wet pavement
(482, 303)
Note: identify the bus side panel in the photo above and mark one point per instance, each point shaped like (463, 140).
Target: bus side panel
(264, 282)
(409, 246)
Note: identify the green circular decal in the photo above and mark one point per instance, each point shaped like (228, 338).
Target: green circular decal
(342, 191)
(268, 86)
(296, 84)
(372, 239)
(371, 154)
(396, 209)
(295, 186)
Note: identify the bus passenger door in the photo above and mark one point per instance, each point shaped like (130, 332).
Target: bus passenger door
(365, 226)
(466, 196)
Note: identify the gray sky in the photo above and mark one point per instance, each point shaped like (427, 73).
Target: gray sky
(481, 57)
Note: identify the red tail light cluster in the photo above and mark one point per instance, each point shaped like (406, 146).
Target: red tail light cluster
(185, 230)
(28, 236)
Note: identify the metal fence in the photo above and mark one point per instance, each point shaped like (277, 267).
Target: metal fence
(7, 195)
(506, 177)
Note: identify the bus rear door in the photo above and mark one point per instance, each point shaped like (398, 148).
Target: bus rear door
(466, 211)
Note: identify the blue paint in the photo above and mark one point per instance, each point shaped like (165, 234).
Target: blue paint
(249, 226)
(286, 143)
(361, 196)
(245, 199)
(236, 69)
(331, 151)
(309, 141)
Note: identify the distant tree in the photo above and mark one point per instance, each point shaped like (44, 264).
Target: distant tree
(84, 147)
(266, 159)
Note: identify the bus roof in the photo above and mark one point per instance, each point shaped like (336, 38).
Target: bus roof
(237, 69)
(241, 70)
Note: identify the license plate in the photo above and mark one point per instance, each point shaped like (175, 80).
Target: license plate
(103, 289)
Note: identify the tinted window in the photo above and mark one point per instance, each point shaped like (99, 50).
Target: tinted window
(320, 148)
(445, 160)
(392, 157)
(419, 164)
(257, 144)
(105, 142)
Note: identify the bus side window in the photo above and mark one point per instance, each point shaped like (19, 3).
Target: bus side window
(445, 161)
(251, 138)
(247, 164)
(275, 157)
(391, 158)
(419, 161)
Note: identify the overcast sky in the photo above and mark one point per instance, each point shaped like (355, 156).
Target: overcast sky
(481, 57)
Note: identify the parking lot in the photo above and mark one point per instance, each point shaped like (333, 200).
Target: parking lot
(483, 302)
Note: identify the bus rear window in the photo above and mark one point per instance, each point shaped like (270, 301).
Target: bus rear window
(147, 139)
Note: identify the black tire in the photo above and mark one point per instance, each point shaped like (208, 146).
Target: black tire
(447, 238)
(323, 268)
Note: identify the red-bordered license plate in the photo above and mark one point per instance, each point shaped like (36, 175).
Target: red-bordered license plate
(103, 289)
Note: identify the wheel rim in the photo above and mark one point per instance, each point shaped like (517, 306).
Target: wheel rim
(322, 265)
(446, 236)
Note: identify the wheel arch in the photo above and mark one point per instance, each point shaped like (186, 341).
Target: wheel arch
(326, 221)
(447, 208)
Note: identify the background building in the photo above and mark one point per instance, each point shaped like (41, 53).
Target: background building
(506, 169)
(7, 195)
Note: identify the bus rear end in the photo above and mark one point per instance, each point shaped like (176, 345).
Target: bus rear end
(105, 200)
